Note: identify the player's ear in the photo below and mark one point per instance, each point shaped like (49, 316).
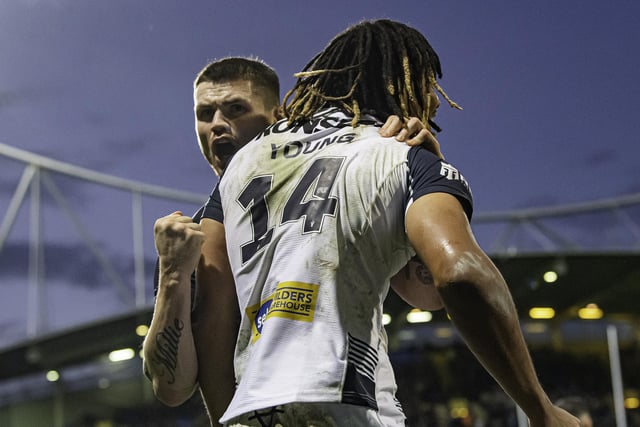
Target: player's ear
(278, 112)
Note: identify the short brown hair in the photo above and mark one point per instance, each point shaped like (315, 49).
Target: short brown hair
(240, 68)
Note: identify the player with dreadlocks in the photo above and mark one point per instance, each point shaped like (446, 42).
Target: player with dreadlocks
(405, 73)
(318, 214)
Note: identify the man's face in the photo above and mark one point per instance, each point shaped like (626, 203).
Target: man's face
(228, 115)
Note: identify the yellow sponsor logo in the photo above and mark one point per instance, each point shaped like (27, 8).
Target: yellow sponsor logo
(291, 300)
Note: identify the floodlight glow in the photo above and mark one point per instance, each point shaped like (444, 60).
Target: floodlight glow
(53, 376)
(550, 276)
(459, 408)
(460, 412)
(542, 313)
(590, 312)
(141, 330)
(122, 354)
(631, 403)
(418, 316)
(386, 319)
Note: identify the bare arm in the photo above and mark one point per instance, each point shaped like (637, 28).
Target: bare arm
(217, 320)
(169, 353)
(414, 284)
(479, 303)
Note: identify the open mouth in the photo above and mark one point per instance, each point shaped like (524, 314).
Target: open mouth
(224, 148)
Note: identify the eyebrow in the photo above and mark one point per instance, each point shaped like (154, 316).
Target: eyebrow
(233, 99)
(230, 100)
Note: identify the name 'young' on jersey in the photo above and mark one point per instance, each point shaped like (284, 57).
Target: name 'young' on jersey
(314, 222)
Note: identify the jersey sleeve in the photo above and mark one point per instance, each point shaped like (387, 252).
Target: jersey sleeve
(213, 208)
(430, 174)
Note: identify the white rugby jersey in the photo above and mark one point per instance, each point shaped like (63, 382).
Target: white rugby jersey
(314, 222)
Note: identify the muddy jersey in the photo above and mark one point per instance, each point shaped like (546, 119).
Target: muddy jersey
(314, 222)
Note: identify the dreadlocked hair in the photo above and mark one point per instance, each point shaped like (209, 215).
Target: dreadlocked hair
(377, 67)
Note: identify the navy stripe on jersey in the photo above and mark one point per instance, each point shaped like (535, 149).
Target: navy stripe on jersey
(363, 356)
(358, 390)
(213, 208)
(359, 384)
(430, 174)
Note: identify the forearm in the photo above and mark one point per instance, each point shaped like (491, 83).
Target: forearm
(476, 297)
(483, 311)
(169, 352)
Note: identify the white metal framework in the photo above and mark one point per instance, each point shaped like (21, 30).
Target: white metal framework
(603, 226)
(552, 230)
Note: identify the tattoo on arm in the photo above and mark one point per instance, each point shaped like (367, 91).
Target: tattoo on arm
(166, 354)
(422, 272)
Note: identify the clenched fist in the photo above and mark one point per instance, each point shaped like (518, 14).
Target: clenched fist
(178, 241)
